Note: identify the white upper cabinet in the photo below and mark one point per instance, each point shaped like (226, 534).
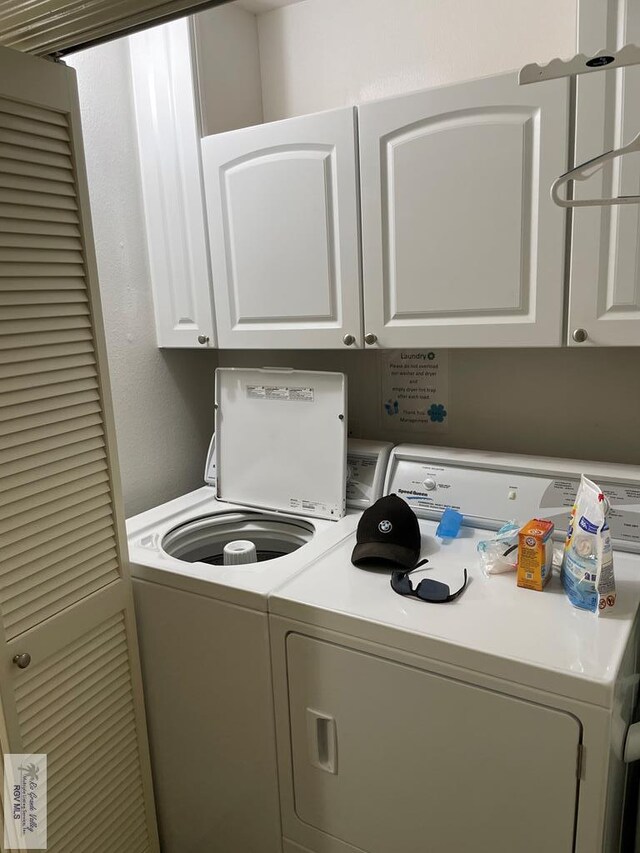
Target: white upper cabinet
(462, 245)
(604, 298)
(169, 148)
(283, 226)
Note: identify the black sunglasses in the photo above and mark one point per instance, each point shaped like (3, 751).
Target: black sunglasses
(429, 590)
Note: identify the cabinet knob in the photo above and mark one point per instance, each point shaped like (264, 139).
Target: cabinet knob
(370, 338)
(203, 339)
(348, 340)
(579, 335)
(22, 661)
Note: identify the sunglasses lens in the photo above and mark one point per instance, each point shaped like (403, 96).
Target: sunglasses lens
(430, 590)
(401, 584)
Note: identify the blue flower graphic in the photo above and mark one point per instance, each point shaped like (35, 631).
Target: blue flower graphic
(437, 413)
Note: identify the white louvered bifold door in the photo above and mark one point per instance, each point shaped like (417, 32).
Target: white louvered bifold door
(65, 596)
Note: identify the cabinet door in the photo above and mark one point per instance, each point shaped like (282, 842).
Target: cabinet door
(392, 759)
(169, 149)
(605, 248)
(283, 225)
(462, 245)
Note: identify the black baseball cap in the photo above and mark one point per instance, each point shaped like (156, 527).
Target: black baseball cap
(388, 532)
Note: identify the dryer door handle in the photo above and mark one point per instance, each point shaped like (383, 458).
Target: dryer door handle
(322, 739)
(632, 743)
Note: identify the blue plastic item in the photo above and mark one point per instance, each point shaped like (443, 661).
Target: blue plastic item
(450, 524)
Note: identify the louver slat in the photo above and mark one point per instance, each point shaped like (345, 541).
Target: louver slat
(46, 365)
(64, 509)
(24, 209)
(43, 513)
(45, 605)
(33, 155)
(109, 734)
(31, 296)
(32, 170)
(33, 128)
(80, 404)
(13, 195)
(41, 399)
(86, 470)
(27, 440)
(30, 441)
(20, 225)
(16, 109)
(50, 449)
(55, 375)
(38, 241)
(61, 707)
(12, 136)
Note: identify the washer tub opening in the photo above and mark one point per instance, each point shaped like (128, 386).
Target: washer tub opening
(202, 540)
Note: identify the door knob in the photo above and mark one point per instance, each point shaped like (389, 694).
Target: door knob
(370, 338)
(348, 340)
(579, 335)
(203, 339)
(23, 660)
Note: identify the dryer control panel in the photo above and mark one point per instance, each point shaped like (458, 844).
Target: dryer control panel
(489, 489)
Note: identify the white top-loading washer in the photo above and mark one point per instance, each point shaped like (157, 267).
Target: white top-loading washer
(495, 722)
(276, 476)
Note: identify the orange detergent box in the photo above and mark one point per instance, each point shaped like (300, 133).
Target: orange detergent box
(535, 553)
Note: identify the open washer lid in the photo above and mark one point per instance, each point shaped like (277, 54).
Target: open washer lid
(281, 440)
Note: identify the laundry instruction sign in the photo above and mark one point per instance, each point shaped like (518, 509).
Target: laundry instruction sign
(415, 389)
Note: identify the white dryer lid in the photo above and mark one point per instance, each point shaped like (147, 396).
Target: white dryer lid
(281, 438)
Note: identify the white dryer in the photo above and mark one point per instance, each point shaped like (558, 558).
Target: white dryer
(276, 478)
(496, 722)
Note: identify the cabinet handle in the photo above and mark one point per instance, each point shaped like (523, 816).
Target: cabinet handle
(203, 339)
(370, 338)
(23, 660)
(579, 335)
(323, 741)
(348, 340)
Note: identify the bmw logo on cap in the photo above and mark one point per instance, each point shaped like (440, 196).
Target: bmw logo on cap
(385, 526)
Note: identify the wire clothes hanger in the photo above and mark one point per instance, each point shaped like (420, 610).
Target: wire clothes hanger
(586, 170)
(582, 64)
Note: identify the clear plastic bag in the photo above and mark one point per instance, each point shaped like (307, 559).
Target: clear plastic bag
(500, 553)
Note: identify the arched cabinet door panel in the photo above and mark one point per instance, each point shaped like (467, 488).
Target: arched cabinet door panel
(604, 297)
(283, 225)
(462, 245)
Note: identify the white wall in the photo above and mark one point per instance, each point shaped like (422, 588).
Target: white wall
(228, 67)
(320, 54)
(163, 400)
(580, 403)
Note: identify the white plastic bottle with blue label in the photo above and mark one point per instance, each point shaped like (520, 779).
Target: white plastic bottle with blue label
(587, 564)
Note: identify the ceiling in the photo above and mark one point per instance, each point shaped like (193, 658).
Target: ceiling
(259, 6)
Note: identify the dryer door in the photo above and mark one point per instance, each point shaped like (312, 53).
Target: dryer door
(392, 759)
